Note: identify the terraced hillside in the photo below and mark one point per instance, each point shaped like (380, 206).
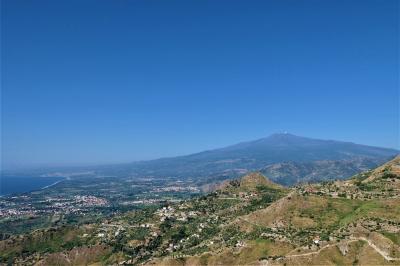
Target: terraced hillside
(249, 221)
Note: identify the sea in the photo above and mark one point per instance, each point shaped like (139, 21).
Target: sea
(10, 185)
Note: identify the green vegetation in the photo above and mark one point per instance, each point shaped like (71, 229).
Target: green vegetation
(244, 222)
(394, 237)
(362, 210)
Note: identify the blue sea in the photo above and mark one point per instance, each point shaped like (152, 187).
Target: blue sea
(21, 184)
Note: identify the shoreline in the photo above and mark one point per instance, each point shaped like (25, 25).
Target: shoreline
(53, 184)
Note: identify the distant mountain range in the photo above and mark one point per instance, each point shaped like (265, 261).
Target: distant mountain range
(285, 158)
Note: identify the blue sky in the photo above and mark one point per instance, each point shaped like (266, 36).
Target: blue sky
(115, 81)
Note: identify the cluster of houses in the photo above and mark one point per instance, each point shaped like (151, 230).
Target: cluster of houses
(89, 201)
(177, 189)
(350, 190)
(170, 212)
(247, 195)
(14, 212)
(50, 205)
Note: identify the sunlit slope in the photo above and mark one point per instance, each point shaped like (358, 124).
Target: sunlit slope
(321, 224)
(247, 221)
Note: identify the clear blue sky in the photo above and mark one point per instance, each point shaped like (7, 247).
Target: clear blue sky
(114, 81)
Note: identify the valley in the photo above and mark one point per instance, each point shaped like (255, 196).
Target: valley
(250, 220)
(84, 198)
(91, 193)
(199, 133)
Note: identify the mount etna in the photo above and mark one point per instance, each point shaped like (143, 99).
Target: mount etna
(285, 158)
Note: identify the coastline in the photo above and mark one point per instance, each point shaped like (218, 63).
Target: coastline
(53, 184)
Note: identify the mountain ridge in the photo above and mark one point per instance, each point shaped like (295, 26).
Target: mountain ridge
(308, 157)
(238, 159)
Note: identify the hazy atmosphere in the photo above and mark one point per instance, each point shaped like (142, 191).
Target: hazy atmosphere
(118, 81)
(200, 132)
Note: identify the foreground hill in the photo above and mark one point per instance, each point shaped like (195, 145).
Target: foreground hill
(248, 221)
(308, 160)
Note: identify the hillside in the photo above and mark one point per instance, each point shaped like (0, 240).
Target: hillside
(289, 173)
(250, 220)
(249, 182)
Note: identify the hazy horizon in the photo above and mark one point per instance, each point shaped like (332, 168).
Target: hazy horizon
(89, 164)
(118, 81)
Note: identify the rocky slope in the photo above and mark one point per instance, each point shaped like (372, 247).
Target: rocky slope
(249, 221)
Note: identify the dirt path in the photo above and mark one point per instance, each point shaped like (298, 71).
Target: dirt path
(353, 239)
(377, 249)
